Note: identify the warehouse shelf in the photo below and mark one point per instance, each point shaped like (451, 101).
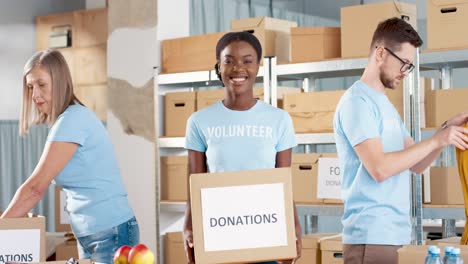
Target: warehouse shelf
(308, 138)
(456, 212)
(196, 78)
(438, 59)
(170, 206)
(319, 209)
(322, 69)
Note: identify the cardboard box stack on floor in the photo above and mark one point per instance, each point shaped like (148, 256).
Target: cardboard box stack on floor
(332, 249)
(22, 239)
(174, 252)
(365, 18)
(446, 24)
(311, 253)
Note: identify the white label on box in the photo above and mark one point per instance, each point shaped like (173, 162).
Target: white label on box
(20, 245)
(329, 179)
(64, 216)
(242, 217)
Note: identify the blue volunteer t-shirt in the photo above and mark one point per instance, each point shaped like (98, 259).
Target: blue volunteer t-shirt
(374, 213)
(240, 140)
(96, 196)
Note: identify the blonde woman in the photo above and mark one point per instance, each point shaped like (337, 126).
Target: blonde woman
(78, 156)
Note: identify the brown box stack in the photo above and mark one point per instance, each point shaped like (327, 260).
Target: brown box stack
(174, 178)
(315, 43)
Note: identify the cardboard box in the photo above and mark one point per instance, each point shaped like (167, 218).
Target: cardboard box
(243, 216)
(359, 22)
(315, 43)
(174, 178)
(22, 239)
(90, 65)
(441, 105)
(174, 252)
(411, 254)
(329, 180)
(209, 97)
(273, 34)
(446, 187)
(312, 111)
(94, 97)
(446, 24)
(195, 53)
(91, 27)
(177, 109)
(332, 250)
(67, 250)
(62, 219)
(304, 168)
(311, 253)
(454, 241)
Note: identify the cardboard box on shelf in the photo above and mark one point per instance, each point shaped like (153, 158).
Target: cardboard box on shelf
(446, 24)
(29, 242)
(311, 253)
(67, 250)
(446, 188)
(62, 219)
(174, 178)
(315, 43)
(258, 224)
(332, 249)
(174, 252)
(304, 170)
(206, 98)
(273, 34)
(441, 105)
(312, 111)
(178, 107)
(359, 22)
(194, 53)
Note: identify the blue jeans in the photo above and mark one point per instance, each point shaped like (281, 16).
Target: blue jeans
(100, 247)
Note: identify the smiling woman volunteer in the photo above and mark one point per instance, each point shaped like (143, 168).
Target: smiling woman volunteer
(238, 57)
(79, 156)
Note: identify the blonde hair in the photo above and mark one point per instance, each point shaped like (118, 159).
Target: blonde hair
(54, 63)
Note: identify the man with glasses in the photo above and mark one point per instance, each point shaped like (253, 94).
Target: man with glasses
(377, 153)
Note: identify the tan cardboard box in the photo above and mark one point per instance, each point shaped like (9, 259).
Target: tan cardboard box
(273, 34)
(359, 22)
(332, 250)
(441, 105)
(448, 240)
(29, 242)
(243, 216)
(412, 254)
(67, 250)
(311, 249)
(446, 24)
(174, 252)
(304, 176)
(209, 97)
(315, 43)
(62, 221)
(194, 53)
(445, 186)
(90, 65)
(177, 109)
(91, 27)
(174, 178)
(312, 111)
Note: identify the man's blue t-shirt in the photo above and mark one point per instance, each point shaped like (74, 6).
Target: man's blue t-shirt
(240, 140)
(96, 196)
(374, 213)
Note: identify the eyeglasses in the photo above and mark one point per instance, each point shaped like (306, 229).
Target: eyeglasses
(406, 67)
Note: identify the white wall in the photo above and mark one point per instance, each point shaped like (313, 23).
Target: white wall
(18, 43)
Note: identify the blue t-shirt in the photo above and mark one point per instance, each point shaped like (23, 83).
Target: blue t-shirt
(374, 213)
(96, 196)
(240, 140)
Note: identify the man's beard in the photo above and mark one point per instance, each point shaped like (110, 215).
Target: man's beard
(387, 81)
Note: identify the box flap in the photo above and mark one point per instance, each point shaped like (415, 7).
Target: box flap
(180, 96)
(309, 158)
(448, 2)
(315, 31)
(405, 8)
(252, 22)
(312, 240)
